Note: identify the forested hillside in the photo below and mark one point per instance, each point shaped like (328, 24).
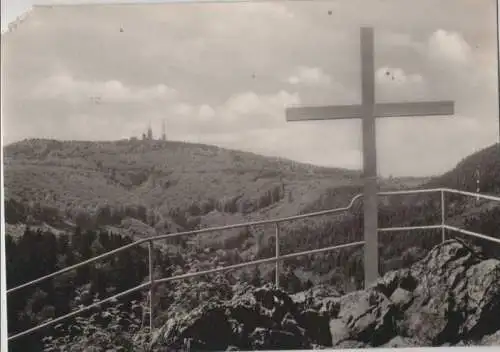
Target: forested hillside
(63, 205)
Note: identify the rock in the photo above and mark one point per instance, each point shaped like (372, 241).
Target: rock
(491, 340)
(316, 327)
(351, 344)
(263, 318)
(450, 297)
(399, 342)
(401, 298)
(277, 339)
(207, 326)
(458, 296)
(338, 332)
(369, 317)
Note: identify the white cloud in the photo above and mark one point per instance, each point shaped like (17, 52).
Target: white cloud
(394, 84)
(396, 76)
(396, 39)
(245, 111)
(411, 145)
(250, 110)
(182, 109)
(449, 47)
(206, 112)
(66, 87)
(310, 76)
(209, 52)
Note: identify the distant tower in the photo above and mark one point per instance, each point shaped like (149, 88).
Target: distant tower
(163, 134)
(150, 132)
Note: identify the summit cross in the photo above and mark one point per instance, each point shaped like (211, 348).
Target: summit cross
(368, 111)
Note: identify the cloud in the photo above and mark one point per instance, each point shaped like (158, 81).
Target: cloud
(236, 66)
(206, 112)
(411, 145)
(66, 87)
(239, 112)
(309, 76)
(449, 47)
(397, 39)
(182, 109)
(250, 110)
(396, 76)
(396, 84)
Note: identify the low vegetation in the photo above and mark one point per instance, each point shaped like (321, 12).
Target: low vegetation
(74, 201)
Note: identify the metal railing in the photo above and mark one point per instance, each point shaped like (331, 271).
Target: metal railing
(276, 259)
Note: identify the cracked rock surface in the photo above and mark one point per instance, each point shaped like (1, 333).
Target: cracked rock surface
(450, 297)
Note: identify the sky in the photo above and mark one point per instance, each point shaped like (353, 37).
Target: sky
(223, 74)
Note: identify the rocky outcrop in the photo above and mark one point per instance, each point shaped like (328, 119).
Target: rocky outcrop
(264, 318)
(450, 297)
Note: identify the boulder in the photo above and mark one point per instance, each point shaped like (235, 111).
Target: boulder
(450, 297)
(401, 298)
(458, 296)
(365, 316)
(263, 318)
(401, 342)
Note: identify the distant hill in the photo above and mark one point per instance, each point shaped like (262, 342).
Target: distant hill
(168, 185)
(399, 248)
(463, 176)
(155, 173)
(143, 188)
(172, 186)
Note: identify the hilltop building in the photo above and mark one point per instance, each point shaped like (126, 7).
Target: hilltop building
(148, 135)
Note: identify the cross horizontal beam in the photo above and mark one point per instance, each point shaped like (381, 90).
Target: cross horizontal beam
(339, 112)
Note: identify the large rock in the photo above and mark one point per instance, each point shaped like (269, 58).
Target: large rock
(368, 316)
(263, 318)
(450, 297)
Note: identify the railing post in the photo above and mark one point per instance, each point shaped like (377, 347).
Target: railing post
(443, 217)
(277, 245)
(151, 286)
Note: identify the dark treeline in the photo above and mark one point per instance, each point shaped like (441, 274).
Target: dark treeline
(108, 215)
(38, 253)
(21, 212)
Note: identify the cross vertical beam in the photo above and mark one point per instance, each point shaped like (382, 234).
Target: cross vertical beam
(370, 199)
(368, 111)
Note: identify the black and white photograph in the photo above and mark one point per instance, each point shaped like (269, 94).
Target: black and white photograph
(250, 175)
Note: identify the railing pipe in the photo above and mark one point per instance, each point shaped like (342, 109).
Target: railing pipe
(256, 262)
(276, 259)
(254, 223)
(443, 217)
(277, 255)
(76, 266)
(184, 276)
(470, 194)
(409, 228)
(173, 235)
(472, 233)
(79, 311)
(260, 222)
(151, 285)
